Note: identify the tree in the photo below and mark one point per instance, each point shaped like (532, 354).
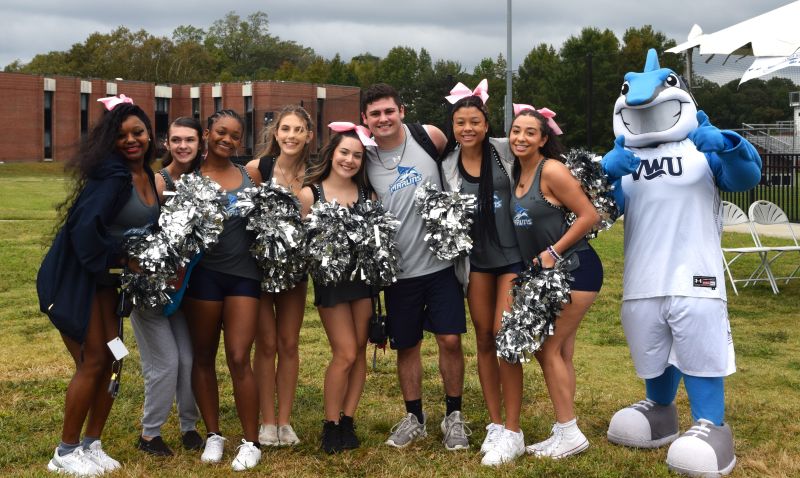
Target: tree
(341, 73)
(589, 103)
(400, 69)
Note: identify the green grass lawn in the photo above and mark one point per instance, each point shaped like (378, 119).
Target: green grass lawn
(763, 399)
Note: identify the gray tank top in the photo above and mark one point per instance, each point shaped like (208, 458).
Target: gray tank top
(134, 214)
(231, 254)
(395, 175)
(538, 223)
(486, 253)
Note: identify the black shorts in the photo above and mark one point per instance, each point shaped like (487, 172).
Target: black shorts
(205, 284)
(433, 302)
(514, 268)
(588, 276)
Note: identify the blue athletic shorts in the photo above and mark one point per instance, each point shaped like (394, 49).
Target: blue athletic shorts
(588, 277)
(205, 284)
(433, 302)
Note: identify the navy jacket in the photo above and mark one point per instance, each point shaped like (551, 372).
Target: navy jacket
(83, 248)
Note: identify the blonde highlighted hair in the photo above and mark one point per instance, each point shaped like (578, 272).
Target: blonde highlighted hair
(267, 142)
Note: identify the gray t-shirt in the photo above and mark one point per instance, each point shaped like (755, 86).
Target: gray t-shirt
(395, 175)
(487, 253)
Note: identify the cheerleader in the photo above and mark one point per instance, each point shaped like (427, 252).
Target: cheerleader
(77, 283)
(345, 308)
(283, 158)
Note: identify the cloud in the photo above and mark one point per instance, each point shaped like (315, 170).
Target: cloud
(461, 30)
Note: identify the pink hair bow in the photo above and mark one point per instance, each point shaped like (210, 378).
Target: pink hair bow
(362, 132)
(461, 91)
(112, 101)
(546, 112)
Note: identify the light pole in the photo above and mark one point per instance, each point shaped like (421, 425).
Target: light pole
(509, 108)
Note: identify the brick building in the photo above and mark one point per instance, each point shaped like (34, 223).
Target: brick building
(48, 114)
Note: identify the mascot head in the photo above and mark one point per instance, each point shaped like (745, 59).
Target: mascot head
(654, 106)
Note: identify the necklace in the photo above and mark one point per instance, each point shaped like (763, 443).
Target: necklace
(396, 160)
(530, 176)
(290, 180)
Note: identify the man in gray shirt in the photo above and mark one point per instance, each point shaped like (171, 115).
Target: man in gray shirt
(427, 295)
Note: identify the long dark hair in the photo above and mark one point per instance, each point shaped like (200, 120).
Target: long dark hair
(486, 181)
(552, 149)
(186, 122)
(96, 147)
(321, 168)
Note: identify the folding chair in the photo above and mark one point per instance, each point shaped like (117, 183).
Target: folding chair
(732, 215)
(766, 213)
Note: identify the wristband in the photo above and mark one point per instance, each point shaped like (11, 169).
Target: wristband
(553, 253)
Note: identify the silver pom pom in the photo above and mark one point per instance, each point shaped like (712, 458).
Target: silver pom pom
(448, 218)
(273, 213)
(376, 255)
(537, 298)
(585, 167)
(190, 222)
(330, 247)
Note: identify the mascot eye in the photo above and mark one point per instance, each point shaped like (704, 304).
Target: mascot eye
(625, 88)
(672, 80)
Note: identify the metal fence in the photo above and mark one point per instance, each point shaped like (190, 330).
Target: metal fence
(779, 184)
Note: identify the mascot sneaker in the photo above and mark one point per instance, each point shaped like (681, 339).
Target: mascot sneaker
(704, 450)
(645, 424)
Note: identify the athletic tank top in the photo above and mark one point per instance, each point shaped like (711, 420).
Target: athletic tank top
(231, 253)
(169, 183)
(487, 253)
(134, 214)
(538, 223)
(395, 176)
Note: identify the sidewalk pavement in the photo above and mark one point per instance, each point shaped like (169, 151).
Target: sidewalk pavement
(774, 230)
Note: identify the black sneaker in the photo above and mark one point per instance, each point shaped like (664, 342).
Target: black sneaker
(192, 440)
(348, 431)
(156, 446)
(331, 437)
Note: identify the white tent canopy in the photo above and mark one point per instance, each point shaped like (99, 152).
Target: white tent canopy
(773, 34)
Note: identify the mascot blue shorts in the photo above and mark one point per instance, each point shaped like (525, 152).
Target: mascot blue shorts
(668, 165)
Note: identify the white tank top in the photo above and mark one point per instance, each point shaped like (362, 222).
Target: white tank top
(673, 225)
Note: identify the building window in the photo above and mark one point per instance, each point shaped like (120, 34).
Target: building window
(249, 125)
(196, 108)
(48, 125)
(84, 114)
(320, 116)
(217, 104)
(162, 119)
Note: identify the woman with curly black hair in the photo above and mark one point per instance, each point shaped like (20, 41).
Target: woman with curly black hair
(113, 191)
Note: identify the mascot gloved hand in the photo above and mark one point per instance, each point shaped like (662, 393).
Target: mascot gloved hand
(668, 165)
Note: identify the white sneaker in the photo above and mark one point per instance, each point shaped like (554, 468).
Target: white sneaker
(215, 445)
(100, 458)
(248, 456)
(493, 433)
(287, 436)
(564, 443)
(268, 435)
(509, 447)
(532, 449)
(74, 463)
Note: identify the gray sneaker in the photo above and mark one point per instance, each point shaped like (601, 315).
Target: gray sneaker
(704, 450)
(455, 431)
(407, 430)
(644, 424)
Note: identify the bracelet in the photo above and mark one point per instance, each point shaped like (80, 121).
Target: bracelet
(553, 253)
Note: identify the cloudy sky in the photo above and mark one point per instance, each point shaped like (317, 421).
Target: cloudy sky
(465, 30)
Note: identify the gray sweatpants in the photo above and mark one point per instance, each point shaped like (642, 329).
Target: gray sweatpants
(165, 351)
